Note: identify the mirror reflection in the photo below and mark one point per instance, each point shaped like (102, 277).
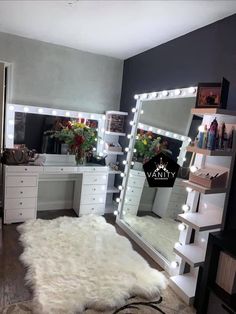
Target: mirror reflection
(164, 127)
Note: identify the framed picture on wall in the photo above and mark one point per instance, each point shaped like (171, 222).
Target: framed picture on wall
(212, 95)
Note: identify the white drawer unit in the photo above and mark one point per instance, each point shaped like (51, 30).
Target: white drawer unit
(93, 194)
(20, 193)
(130, 209)
(136, 181)
(134, 190)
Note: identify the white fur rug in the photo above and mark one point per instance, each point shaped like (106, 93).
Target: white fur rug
(78, 263)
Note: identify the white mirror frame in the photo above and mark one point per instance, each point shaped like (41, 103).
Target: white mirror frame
(13, 108)
(189, 92)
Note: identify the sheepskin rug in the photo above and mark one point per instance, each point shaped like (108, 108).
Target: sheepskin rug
(79, 263)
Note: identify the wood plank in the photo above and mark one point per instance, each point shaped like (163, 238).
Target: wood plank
(212, 111)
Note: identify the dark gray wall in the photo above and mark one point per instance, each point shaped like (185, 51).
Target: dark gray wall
(204, 55)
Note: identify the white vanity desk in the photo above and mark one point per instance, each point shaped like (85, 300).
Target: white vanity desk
(21, 189)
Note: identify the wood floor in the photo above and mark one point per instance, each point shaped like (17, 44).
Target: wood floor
(12, 272)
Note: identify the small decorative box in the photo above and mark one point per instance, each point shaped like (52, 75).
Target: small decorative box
(209, 178)
(113, 147)
(115, 121)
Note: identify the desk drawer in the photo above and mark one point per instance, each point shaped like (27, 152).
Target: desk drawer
(21, 192)
(18, 215)
(92, 209)
(131, 200)
(93, 199)
(14, 203)
(21, 181)
(136, 181)
(94, 179)
(131, 191)
(131, 209)
(94, 189)
(24, 169)
(52, 169)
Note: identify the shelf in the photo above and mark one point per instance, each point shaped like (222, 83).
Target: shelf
(115, 133)
(114, 153)
(184, 286)
(121, 113)
(207, 152)
(113, 189)
(114, 172)
(191, 253)
(212, 111)
(202, 222)
(203, 189)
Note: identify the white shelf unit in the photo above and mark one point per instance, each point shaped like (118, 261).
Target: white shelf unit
(207, 209)
(112, 137)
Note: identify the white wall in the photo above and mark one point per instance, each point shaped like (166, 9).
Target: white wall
(60, 77)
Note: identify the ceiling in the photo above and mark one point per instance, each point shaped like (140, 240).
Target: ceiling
(119, 29)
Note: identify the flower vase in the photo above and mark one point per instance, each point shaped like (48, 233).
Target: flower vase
(80, 157)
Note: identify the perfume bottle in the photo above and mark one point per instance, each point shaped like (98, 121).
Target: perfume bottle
(205, 137)
(230, 139)
(211, 143)
(200, 136)
(221, 135)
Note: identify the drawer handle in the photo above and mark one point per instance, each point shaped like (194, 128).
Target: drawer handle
(21, 192)
(94, 189)
(95, 180)
(26, 169)
(20, 214)
(93, 199)
(92, 208)
(61, 169)
(22, 181)
(21, 203)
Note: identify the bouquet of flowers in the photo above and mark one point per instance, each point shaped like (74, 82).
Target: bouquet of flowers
(80, 138)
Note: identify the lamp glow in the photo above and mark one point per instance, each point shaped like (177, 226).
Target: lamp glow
(181, 227)
(185, 208)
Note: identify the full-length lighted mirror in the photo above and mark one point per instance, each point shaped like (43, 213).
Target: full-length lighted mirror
(162, 123)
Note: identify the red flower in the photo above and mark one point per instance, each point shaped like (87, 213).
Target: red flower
(69, 125)
(79, 140)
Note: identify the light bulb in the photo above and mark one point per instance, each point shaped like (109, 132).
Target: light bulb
(144, 96)
(165, 93)
(132, 163)
(201, 128)
(92, 116)
(123, 212)
(134, 150)
(40, 110)
(104, 117)
(117, 200)
(137, 137)
(193, 169)
(184, 159)
(203, 240)
(67, 113)
(150, 128)
(167, 133)
(154, 95)
(182, 138)
(104, 151)
(136, 97)
(177, 92)
(10, 136)
(54, 112)
(175, 135)
(174, 264)
(133, 110)
(26, 109)
(94, 149)
(159, 131)
(189, 140)
(191, 90)
(124, 162)
(126, 149)
(95, 139)
(188, 189)
(131, 122)
(100, 154)
(185, 208)
(181, 227)
(122, 175)
(177, 244)
(115, 212)
(120, 187)
(141, 111)
(129, 136)
(102, 130)
(101, 142)
(11, 108)
(11, 122)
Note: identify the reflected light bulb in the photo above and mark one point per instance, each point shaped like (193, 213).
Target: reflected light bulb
(129, 136)
(185, 207)
(117, 200)
(131, 122)
(201, 128)
(115, 212)
(126, 149)
(191, 90)
(177, 92)
(133, 110)
(122, 175)
(124, 162)
(120, 187)
(193, 169)
(174, 264)
(165, 93)
(188, 189)
(136, 97)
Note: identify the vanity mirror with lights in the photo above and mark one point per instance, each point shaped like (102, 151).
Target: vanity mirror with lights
(172, 224)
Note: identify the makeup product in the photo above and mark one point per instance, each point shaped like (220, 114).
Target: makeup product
(230, 139)
(201, 137)
(211, 143)
(221, 135)
(205, 137)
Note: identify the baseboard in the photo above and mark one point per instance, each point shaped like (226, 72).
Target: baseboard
(55, 205)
